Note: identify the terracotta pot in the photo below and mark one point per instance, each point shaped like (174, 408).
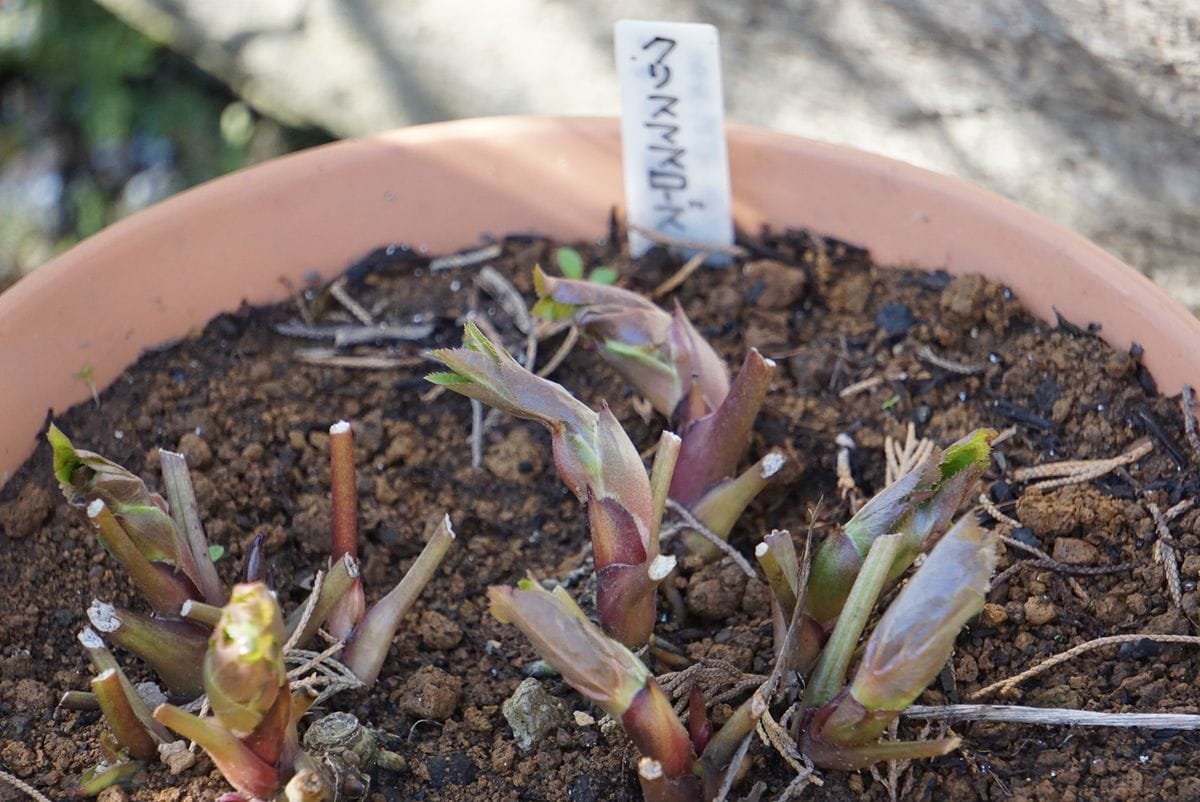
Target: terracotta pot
(166, 271)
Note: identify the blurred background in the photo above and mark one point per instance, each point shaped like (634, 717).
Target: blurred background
(1087, 111)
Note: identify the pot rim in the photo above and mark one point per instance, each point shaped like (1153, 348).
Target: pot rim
(557, 176)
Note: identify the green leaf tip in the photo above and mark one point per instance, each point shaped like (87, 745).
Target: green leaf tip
(66, 460)
(445, 378)
(974, 451)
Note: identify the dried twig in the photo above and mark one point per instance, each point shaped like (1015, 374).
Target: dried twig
(564, 349)
(338, 290)
(1075, 651)
(22, 786)
(331, 358)
(476, 434)
(926, 354)
(691, 522)
(861, 386)
(500, 288)
(1053, 716)
(679, 276)
(457, 260)
(1187, 400)
(1164, 555)
(345, 336)
(1079, 470)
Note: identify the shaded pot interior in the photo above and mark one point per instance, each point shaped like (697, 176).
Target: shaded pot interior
(166, 271)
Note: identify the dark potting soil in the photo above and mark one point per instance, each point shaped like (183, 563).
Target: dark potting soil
(250, 409)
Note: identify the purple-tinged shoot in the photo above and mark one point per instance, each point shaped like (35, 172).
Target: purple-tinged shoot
(907, 649)
(919, 506)
(371, 639)
(601, 669)
(173, 647)
(349, 609)
(659, 353)
(598, 463)
(665, 359)
(244, 672)
(251, 735)
(143, 515)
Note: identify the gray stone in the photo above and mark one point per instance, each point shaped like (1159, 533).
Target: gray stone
(532, 713)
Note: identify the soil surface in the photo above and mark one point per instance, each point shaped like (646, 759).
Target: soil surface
(251, 410)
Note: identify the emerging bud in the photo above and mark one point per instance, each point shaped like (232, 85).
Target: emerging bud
(143, 515)
(919, 506)
(597, 461)
(665, 359)
(598, 667)
(659, 353)
(244, 671)
(909, 646)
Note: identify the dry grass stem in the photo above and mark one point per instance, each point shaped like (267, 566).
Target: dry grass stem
(900, 459)
(1164, 555)
(494, 283)
(926, 354)
(1070, 654)
(477, 429)
(331, 358)
(338, 290)
(691, 522)
(306, 616)
(869, 383)
(679, 276)
(687, 244)
(1081, 470)
(1053, 716)
(991, 509)
(1187, 400)
(297, 297)
(847, 488)
(564, 349)
(457, 260)
(23, 787)
(1044, 559)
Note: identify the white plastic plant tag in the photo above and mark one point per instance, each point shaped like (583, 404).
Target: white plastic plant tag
(673, 134)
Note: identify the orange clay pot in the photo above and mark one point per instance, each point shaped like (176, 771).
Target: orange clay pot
(166, 271)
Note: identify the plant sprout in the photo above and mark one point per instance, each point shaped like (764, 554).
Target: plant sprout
(161, 545)
(614, 678)
(663, 356)
(598, 463)
(907, 649)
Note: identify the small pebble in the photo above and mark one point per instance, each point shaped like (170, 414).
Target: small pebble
(532, 713)
(1074, 551)
(1039, 610)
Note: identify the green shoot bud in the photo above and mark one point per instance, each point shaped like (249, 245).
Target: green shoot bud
(919, 506)
(244, 671)
(909, 646)
(659, 353)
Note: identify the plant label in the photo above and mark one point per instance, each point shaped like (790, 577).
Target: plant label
(673, 134)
